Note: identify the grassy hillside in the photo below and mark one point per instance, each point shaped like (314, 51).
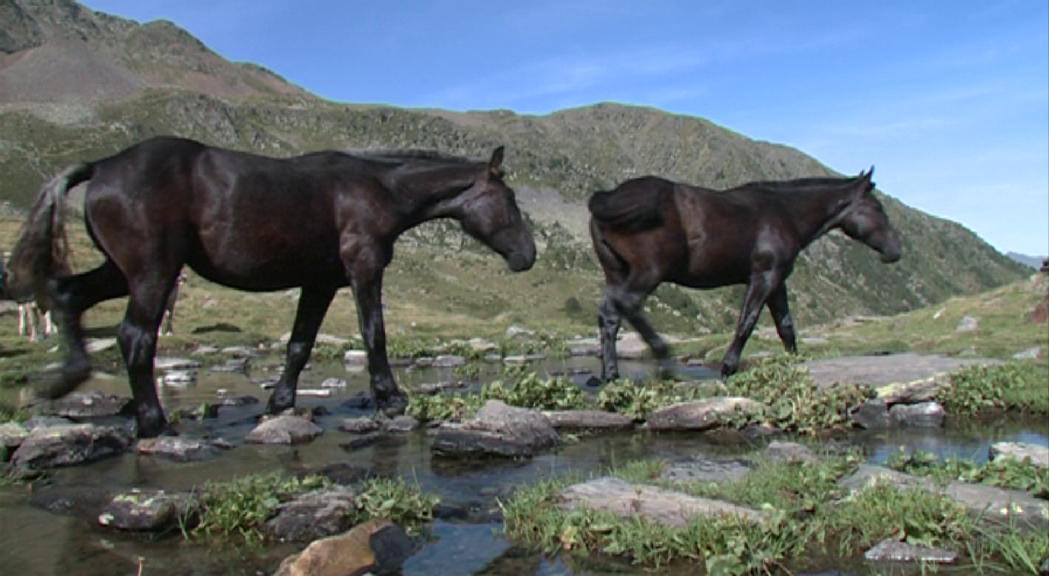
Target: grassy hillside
(170, 83)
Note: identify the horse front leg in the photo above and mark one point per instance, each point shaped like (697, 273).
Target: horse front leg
(367, 291)
(757, 292)
(780, 311)
(313, 305)
(608, 321)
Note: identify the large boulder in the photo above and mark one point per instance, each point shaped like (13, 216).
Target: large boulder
(920, 415)
(666, 507)
(145, 510)
(313, 515)
(378, 547)
(68, 445)
(702, 414)
(497, 430)
(284, 429)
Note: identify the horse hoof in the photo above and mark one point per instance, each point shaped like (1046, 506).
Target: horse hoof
(393, 405)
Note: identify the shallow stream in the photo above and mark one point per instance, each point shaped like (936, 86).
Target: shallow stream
(48, 532)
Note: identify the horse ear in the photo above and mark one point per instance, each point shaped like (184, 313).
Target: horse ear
(496, 162)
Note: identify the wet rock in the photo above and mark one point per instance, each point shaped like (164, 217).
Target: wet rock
(584, 347)
(588, 420)
(333, 383)
(912, 392)
(493, 357)
(43, 421)
(377, 546)
(238, 401)
(896, 551)
(702, 414)
(359, 401)
(172, 363)
(359, 425)
(437, 387)
(67, 446)
(967, 324)
(706, 469)
(12, 434)
(315, 392)
(95, 345)
(871, 415)
(145, 510)
(921, 415)
(481, 346)
(284, 429)
(448, 361)
(516, 330)
(790, 452)
(81, 501)
(355, 358)
(666, 507)
(240, 352)
(232, 366)
(178, 448)
(362, 441)
(402, 423)
(204, 350)
(1037, 455)
(631, 347)
(497, 430)
(92, 404)
(179, 378)
(313, 515)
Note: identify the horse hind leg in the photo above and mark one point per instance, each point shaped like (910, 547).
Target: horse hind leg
(780, 310)
(70, 297)
(313, 305)
(608, 322)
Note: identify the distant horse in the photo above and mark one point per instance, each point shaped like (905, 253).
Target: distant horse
(320, 221)
(650, 230)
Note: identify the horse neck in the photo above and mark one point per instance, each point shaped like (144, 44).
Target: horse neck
(818, 210)
(425, 194)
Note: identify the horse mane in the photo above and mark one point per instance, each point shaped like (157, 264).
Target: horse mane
(405, 155)
(801, 184)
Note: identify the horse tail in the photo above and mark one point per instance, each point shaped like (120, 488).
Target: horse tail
(42, 250)
(628, 208)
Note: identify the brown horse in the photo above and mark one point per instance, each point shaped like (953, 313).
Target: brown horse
(650, 230)
(320, 222)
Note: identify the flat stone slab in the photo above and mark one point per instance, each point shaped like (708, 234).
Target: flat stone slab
(789, 453)
(895, 551)
(12, 434)
(701, 414)
(920, 415)
(708, 469)
(666, 507)
(1038, 455)
(68, 445)
(875, 371)
(989, 502)
(92, 404)
(173, 363)
(144, 510)
(178, 448)
(360, 425)
(284, 429)
(588, 420)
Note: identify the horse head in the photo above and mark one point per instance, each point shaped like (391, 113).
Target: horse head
(865, 220)
(490, 214)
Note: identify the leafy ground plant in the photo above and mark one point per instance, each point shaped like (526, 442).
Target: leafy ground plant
(238, 508)
(397, 500)
(1011, 386)
(1004, 473)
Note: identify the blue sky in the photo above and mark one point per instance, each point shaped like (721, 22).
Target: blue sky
(948, 99)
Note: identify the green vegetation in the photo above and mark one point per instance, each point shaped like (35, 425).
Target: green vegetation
(1004, 472)
(807, 514)
(793, 401)
(1017, 386)
(237, 509)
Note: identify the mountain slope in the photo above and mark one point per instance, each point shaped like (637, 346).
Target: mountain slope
(157, 79)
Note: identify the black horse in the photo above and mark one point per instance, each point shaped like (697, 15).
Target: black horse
(650, 230)
(320, 221)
